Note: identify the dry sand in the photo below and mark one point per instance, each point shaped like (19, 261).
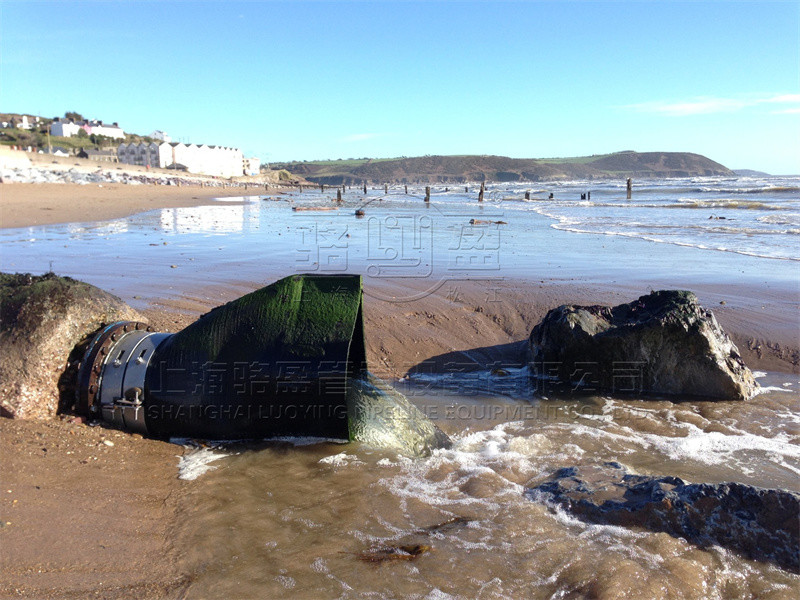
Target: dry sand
(86, 512)
(83, 518)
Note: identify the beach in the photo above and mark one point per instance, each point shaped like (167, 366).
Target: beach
(30, 205)
(117, 524)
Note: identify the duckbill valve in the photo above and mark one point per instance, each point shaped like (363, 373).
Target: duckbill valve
(286, 360)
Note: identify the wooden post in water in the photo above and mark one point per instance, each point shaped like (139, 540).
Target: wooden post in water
(480, 194)
(630, 188)
(365, 187)
(406, 190)
(385, 188)
(528, 195)
(322, 187)
(427, 193)
(338, 195)
(466, 189)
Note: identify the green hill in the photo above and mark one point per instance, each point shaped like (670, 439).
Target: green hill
(459, 169)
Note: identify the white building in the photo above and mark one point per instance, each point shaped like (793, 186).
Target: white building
(68, 128)
(64, 128)
(206, 160)
(99, 128)
(24, 123)
(251, 166)
(160, 135)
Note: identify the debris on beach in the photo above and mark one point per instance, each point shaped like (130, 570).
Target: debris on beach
(449, 525)
(482, 222)
(301, 208)
(391, 553)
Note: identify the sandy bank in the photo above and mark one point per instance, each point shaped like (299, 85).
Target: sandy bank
(30, 204)
(85, 512)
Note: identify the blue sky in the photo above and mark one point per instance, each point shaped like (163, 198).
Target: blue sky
(316, 80)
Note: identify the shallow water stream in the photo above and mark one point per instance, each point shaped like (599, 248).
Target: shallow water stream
(290, 519)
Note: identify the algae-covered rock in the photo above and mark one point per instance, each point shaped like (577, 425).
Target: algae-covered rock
(761, 524)
(664, 343)
(42, 320)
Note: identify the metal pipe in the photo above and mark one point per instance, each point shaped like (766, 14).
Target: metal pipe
(281, 361)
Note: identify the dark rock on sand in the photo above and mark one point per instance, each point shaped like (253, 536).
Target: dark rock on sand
(664, 343)
(44, 320)
(758, 523)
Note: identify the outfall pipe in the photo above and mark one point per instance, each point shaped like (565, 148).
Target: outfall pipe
(275, 362)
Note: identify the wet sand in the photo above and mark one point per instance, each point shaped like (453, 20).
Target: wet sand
(31, 204)
(86, 512)
(473, 323)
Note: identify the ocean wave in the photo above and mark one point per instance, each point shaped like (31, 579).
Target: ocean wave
(196, 461)
(713, 447)
(725, 204)
(571, 227)
(784, 219)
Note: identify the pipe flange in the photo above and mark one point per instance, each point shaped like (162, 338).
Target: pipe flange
(91, 369)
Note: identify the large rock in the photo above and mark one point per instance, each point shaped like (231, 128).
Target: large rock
(663, 343)
(758, 523)
(43, 319)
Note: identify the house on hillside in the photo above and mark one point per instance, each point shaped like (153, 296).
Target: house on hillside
(64, 128)
(68, 128)
(99, 128)
(24, 123)
(160, 135)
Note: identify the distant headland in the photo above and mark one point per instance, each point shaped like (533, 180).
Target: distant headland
(458, 169)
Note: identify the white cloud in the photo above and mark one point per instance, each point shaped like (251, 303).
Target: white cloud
(710, 105)
(784, 99)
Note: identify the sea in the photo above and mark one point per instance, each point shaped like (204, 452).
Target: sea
(294, 518)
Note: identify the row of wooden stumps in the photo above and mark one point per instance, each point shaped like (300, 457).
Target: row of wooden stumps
(343, 188)
(466, 191)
